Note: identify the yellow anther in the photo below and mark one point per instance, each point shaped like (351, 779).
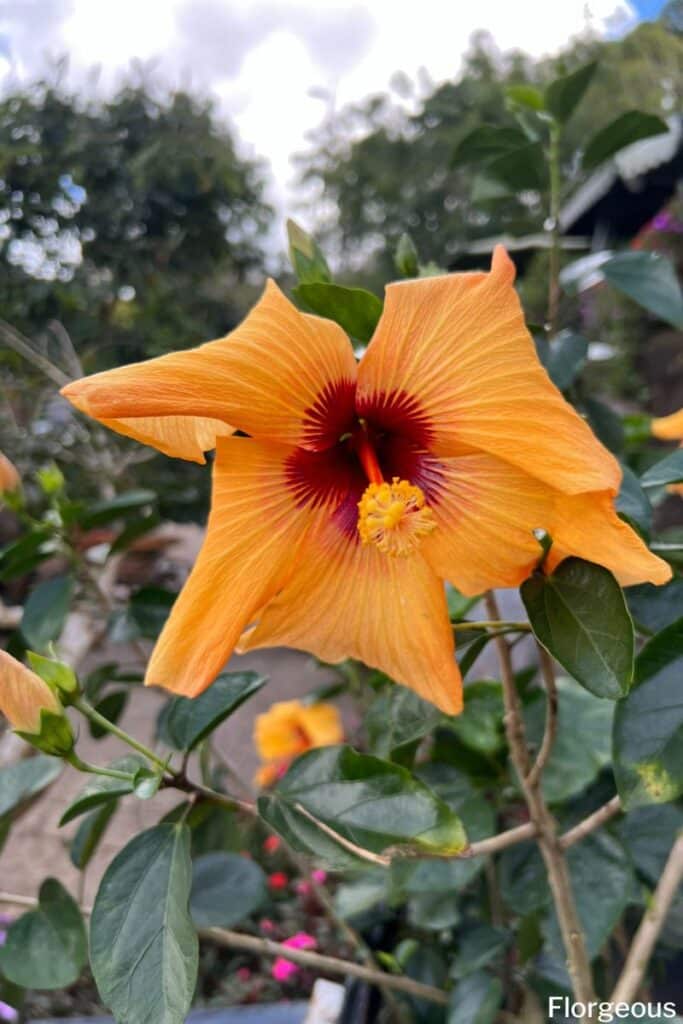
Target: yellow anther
(394, 517)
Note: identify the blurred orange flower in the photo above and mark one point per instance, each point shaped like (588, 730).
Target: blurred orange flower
(670, 428)
(290, 728)
(361, 488)
(9, 476)
(24, 696)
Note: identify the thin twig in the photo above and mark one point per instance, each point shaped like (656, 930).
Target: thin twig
(548, 840)
(500, 842)
(23, 347)
(306, 958)
(330, 964)
(651, 925)
(589, 824)
(550, 731)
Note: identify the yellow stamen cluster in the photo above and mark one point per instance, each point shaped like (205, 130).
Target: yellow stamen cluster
(394, 517)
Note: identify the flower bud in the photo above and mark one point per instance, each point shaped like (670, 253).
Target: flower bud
(406, 258)
(32, 709)
(9, 476)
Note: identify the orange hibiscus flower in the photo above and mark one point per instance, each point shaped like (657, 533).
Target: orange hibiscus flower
(670, 428)
(361, 488)
(290, 728)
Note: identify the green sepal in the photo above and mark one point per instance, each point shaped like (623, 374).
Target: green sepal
(55, 735)
(61, 678)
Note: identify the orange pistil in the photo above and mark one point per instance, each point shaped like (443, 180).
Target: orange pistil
(368, 458)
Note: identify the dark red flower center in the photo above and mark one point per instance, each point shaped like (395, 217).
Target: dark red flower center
(357, 441)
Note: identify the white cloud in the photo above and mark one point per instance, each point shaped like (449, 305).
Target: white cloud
(262, 58)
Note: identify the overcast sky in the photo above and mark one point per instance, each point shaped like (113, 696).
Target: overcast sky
(263, 58)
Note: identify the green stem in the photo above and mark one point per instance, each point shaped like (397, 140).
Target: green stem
(554, 213)
(491, 624)
(90, 712)
(94, 769)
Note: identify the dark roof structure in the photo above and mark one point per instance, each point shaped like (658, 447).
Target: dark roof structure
(623, 195)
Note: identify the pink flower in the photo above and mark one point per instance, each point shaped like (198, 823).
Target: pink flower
(303, 887)
(282, 969)
(267, 926)
(301, 941)
(319, 876)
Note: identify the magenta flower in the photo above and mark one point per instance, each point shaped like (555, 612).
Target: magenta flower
(284, 970)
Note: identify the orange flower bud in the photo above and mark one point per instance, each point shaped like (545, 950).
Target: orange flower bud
(9, 477)
(31, 707)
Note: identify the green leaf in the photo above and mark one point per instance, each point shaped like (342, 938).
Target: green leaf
(302, 834)
(89, 833)
(226, 888)
(45, 612)
(582, 747)
(659, 652)
(605, 423)
(25, 778)
(22, 556)
(523, 879)
(306, 256)
(648, 725)
(564, 357)
(148, 609)
(433, 911)
(477, 947)
(102, 512)
(597, 865)
(480, 726)
(354, 309)
(486, 142)
(526, 96)
(100, 789)
(650, 280)
(185, 721)
(629, 127)
(579, 614)
(522, 168)
(373, 803)
(112, 707)
(653, 607)
(633, 502)
(430, 875)
(565, 93)
(475, 1000)
(46, 948)
(143, 946)
(648, 833)
(398, 717)
(668, 471)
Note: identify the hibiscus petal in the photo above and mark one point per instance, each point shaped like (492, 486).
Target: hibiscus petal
(349, 601)
(669, 428)
(588, 526)
(182, 437)
(455, 351)
(252, 541)
(281, 375)
(486, 510)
